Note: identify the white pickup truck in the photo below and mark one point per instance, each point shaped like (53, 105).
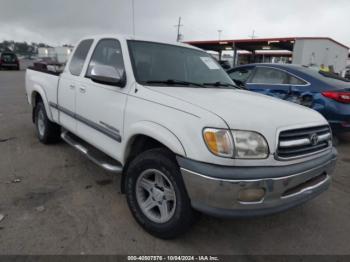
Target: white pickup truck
(184, 138)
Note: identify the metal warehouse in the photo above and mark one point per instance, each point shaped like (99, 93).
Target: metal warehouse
(315, 51)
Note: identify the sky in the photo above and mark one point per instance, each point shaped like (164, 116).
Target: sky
(58, 22)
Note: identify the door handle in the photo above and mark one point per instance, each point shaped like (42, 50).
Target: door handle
(71, 86)
(82, 89)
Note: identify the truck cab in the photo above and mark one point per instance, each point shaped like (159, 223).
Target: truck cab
(185, 139)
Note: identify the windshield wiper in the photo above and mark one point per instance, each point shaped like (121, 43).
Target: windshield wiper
(218, 83)
(174, 82)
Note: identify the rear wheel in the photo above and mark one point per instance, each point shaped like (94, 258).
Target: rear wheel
(156, 194)
(47, 131)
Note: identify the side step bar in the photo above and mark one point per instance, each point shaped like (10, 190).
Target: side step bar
(95, 155)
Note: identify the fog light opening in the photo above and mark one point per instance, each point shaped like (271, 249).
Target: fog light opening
(251, 195)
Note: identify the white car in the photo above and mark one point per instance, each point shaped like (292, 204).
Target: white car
(169, 120)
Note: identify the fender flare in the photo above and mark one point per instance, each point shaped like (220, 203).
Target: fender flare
(37, 88)
(157, 132)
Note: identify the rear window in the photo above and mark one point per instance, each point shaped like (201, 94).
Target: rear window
(8, 57)
(328, 78)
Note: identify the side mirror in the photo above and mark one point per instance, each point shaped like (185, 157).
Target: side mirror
(107, 75)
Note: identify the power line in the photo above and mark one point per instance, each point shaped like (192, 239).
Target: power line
(178, 37)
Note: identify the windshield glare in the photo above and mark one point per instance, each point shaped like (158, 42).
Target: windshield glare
(162, 62)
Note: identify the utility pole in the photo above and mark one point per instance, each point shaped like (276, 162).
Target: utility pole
(133, 17)
(178, 37)
(219, 34)
(253, 36)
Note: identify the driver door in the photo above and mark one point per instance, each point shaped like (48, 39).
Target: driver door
(100, 107)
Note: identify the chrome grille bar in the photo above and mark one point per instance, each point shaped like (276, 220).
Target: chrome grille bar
(299, 142)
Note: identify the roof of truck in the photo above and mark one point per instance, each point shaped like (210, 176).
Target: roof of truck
(138, 38)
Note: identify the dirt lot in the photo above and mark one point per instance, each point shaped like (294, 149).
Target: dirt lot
(63, 204)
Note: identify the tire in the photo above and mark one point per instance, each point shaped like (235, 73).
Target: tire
(163, 164)
(47, 131)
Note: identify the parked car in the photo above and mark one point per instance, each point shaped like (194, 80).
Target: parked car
(168, 119)
(9, 60)
(346, 73)
(327, 93)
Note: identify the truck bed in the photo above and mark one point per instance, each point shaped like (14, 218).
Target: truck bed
(42, 70)
(46, 84)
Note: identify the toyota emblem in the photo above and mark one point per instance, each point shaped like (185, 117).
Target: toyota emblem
(314, 139)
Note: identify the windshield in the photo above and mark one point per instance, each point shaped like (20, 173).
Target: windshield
(159, 64)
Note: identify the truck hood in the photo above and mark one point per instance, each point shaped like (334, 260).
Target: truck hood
(247, 110)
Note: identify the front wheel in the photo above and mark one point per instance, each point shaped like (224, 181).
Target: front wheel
(157, 196)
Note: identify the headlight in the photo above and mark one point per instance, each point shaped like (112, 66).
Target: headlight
(250, 145)
(219, 141)
(236, 144)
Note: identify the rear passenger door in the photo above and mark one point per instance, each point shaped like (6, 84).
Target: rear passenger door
(100, 107)
(69, 81)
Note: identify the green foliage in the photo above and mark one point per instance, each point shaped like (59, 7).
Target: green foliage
(21, 48)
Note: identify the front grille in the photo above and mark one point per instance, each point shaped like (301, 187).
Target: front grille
(299, 142)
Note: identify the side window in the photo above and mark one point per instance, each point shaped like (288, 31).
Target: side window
(108, 52)
(79, 56)
(241, 74)
(292, 80)
(267, 75)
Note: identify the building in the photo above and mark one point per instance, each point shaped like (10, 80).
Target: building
(315, 51)
(59, 54)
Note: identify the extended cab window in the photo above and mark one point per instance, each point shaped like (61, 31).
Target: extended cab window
(78, 59)
(268, 75)
(108, 52)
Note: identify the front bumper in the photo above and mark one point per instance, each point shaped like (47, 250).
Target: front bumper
(215, 190)
(4, 65)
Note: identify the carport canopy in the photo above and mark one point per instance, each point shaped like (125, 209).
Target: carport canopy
(252, 45)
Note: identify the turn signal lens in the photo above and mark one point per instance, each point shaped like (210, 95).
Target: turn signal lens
(219, 141)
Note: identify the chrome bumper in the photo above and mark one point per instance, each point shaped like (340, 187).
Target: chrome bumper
(220, 197)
